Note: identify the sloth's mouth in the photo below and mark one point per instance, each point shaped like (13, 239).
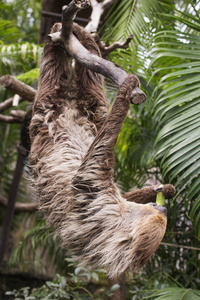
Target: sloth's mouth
(162, 209)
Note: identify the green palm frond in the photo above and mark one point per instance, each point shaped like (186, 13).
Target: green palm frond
(131, 16)
(19, 57)
(177, 109)
(29, 77)
(9, 31)
(37, 242)
(175, 294)
(19, 20)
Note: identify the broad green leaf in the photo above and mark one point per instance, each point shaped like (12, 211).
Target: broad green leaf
(188, 160)
(180, 122)
(195, 207)
(194, 189)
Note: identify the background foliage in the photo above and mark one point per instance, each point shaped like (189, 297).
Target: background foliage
(159, 142)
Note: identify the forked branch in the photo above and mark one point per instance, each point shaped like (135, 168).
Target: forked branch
(84, 57)
(106, 50)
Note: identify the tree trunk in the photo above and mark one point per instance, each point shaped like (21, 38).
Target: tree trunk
(119, 294)
(9, 212)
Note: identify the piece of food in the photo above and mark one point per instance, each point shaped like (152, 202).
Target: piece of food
(160, 198)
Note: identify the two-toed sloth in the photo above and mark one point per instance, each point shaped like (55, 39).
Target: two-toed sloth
(72, 160)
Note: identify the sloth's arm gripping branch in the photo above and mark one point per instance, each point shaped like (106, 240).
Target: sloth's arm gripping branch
(148, 194)
(84, 57)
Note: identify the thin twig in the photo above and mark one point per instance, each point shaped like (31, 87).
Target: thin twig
(107, 50)
(20, 207)
(180, 246)
(9, 119)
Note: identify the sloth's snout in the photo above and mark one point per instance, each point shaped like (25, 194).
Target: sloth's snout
(162, 209)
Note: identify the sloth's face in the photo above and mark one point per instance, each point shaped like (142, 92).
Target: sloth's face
(148, 228)
(133, 237)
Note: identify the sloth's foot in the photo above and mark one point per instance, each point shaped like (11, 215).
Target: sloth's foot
(82, 3)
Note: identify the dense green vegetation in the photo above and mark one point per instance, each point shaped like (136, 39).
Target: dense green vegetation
(159, 140)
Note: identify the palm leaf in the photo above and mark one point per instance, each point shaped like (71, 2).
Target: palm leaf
(129, 17)
(19, 57)
(175, 294)
(9, 31)
(177, 109)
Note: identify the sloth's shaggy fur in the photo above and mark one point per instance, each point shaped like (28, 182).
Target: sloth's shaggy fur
(72, 160)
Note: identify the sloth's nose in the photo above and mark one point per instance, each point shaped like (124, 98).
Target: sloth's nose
(162, 209)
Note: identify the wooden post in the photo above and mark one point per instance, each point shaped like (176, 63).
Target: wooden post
(9, 212)
(119, 294)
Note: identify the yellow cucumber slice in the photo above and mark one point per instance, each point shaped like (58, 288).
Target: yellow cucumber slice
(160, 199)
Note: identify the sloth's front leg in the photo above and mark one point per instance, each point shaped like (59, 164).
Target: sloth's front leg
(99, 160)
(148, 194)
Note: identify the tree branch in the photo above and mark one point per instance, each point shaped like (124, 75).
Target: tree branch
(14, 85)
(69, 15)
(7, 104)
(89, 60)
(18, 114)
(20, 207)
(9, 119)
(106, 50)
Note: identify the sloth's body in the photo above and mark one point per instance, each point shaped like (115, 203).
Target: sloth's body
(72, 159)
